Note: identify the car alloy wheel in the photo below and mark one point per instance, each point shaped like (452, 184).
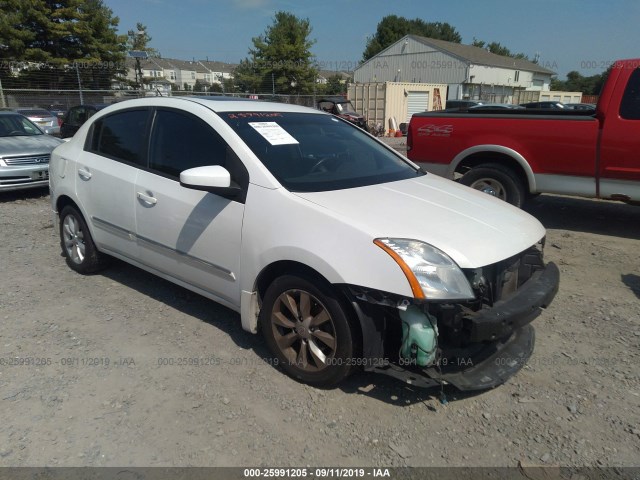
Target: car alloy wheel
(303, 330)
(73, 238)
(77, 244)
(309, 329)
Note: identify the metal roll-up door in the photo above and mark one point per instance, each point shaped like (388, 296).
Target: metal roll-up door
(417, 102)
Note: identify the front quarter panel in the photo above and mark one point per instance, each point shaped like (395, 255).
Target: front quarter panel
(278, 226)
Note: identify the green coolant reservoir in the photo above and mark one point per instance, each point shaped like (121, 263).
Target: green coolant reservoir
(420, 336)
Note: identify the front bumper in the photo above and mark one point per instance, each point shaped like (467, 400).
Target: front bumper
(518, 310)
(489, 367)
(486, 368)
(21, 177)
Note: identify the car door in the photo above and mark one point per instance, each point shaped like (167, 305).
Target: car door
(620, 145)
(106, 175)
(190, 235)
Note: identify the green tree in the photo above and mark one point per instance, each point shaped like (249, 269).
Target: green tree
(55, 41)
(392, 28)
(335, 85)
(576, 82)
(139, 39)
(498, 49)
(202, 86)
(228, 85)
(281, 59)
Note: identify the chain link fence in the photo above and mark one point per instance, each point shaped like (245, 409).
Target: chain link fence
(65, 99)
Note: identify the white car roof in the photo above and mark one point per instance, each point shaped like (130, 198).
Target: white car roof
(219, 104)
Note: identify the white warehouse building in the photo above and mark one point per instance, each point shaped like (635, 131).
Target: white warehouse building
(469, 72)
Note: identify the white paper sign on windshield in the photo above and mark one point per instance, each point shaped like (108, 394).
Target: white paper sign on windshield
(273, 133)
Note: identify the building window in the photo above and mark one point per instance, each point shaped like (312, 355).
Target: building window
(517, 76)
(193, 75)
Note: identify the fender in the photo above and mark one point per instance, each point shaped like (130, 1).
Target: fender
(498, 149)
(249, 304)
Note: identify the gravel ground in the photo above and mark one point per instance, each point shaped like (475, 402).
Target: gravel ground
(112, 383)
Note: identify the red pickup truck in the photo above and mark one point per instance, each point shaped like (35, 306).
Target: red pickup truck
(525, 152)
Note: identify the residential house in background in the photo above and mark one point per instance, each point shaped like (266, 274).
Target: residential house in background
(164, 73)
(325, 75)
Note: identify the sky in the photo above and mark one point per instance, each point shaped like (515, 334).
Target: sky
(582, 35)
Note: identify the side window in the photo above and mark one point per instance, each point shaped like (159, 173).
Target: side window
(73, 117)
(630, 105)
(82, 116)
(181, 141)
(121, 136)
(88, 113)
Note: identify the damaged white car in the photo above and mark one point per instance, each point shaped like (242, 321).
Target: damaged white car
(340, 251)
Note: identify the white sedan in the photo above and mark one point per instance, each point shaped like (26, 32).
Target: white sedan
(343, 253)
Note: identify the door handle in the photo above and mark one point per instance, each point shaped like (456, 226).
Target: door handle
(147, 198)
(84, 174)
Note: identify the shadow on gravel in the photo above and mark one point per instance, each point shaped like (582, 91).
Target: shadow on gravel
(394, 392)
(187, 302)
(632, 281)
(29, 194)
(584, 215)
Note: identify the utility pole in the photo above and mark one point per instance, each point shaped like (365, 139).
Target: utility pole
(79, 83)
(2, 102)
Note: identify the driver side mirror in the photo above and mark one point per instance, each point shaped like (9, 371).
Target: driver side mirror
(212, 178)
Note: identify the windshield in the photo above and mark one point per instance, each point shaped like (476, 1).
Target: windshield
(17, 125)
(345, 107)
(313, 152)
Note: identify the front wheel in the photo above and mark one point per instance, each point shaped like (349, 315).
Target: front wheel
(308, 330)
(498, 181)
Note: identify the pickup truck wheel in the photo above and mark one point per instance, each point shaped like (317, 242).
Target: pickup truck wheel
(77, 245)
(498, 181)
(308, 330)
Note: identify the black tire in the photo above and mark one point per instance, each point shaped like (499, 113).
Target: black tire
(497, 180)
(76, 242)
(300, 343)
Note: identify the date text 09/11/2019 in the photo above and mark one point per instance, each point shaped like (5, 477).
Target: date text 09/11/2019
(315, 472)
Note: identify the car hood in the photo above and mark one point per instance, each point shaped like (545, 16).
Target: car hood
(473, 228)
(27, 145)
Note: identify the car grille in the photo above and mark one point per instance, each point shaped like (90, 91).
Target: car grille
(33, 160)
(501, 280)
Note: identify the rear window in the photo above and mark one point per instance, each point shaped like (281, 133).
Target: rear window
(309, 152)
(35, 113)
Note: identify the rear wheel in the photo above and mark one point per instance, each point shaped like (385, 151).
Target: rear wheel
(308, 330)
(77, 244)
(496, 180)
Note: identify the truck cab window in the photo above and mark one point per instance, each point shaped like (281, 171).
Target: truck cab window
(630, 105)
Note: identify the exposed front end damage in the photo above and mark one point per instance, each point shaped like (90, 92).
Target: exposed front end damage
(472, 345)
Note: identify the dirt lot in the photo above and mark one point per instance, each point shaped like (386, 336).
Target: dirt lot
(576, 403)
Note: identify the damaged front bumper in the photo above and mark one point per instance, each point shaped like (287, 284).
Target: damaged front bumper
(487, 346)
